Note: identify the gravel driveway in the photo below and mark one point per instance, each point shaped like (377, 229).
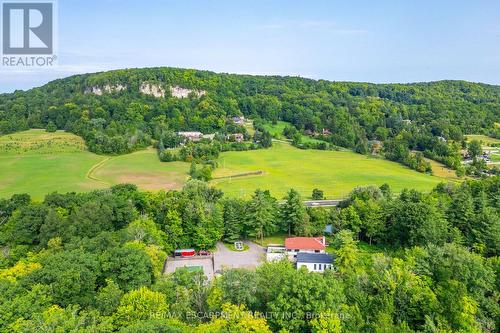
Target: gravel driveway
(225, 258)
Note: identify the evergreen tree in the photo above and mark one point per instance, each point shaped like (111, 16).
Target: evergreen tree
(234, 212)
(293, 214)
(261, 215)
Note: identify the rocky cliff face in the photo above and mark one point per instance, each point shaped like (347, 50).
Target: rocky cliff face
(180, 92)
(152, 89)
(96, 90)
(147, 88)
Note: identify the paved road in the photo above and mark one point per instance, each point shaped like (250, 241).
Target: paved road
(225, 258)
(322, 203)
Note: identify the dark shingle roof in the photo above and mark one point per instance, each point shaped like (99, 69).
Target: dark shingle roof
(320, 258)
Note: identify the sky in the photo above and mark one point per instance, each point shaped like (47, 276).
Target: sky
(369, 41)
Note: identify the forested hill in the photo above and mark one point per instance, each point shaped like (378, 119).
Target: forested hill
(120, 111)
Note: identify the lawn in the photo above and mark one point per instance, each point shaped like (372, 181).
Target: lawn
(335, 172)
(485, 140)
(441, 170)
(37, 162)
(276, 239)
(144, 169)
(276, 131)
(231, 247)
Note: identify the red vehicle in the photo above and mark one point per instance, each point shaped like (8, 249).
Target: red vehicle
(203, 253)
(185, 253)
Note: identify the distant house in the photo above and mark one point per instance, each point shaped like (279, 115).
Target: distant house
(295, 245)
(238, 137)
(315, 262)
(326, 131)
(196, 136)
(239, 120)
(192, 136)
(440, 138)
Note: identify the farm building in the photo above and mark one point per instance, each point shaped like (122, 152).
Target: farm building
(315, 262)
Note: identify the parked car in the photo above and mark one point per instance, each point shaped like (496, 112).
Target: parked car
(203, 253)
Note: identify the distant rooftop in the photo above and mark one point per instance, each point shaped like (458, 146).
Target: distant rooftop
(305, 243)
(317, 258)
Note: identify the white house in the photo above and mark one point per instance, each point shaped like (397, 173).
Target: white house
(295, 245)
(193, 136)
(315, 262)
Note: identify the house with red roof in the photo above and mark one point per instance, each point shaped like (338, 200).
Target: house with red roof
(295, 245)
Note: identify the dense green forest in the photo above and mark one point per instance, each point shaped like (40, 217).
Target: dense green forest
(92, 262)
(123, 110)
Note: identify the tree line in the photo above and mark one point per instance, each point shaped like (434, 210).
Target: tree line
(92, 262)
(404, 117)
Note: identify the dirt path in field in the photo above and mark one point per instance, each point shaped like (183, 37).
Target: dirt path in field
(94, 168)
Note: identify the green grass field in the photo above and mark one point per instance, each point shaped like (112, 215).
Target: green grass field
(38, 163)
(485, 140)
(441, 170)
(144, 169)
(335, 172)
(276, 131)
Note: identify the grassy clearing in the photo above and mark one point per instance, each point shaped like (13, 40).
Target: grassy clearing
(441, 170)
(276, 131)
(485, 140)
(335, 172)
(37, 162)
(38, 141)
(144, 169)
(249, 127)
(231, 247)
(276, 239)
